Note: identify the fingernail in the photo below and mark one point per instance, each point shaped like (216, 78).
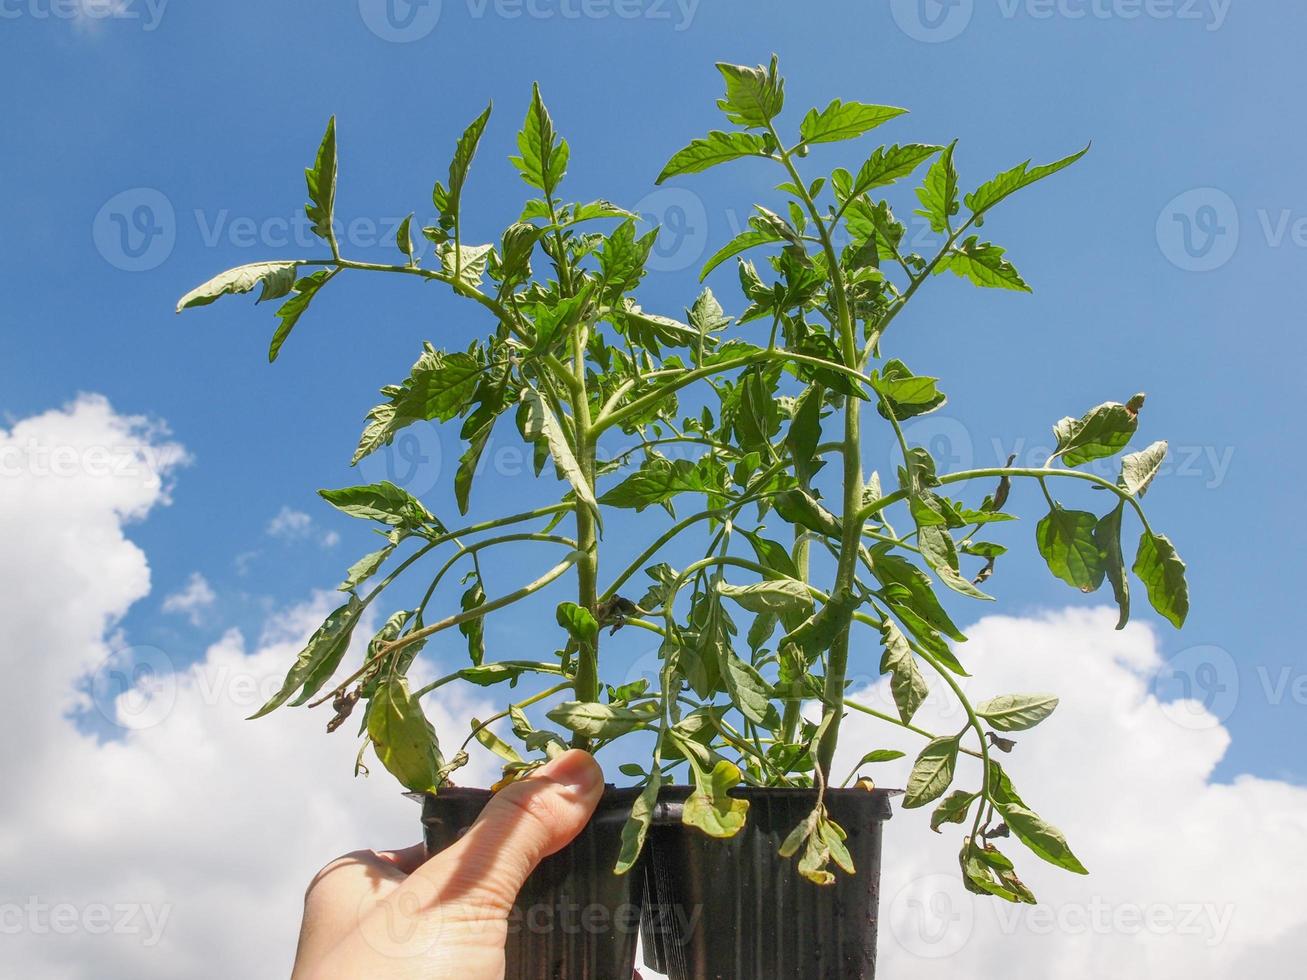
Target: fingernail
(575, 769)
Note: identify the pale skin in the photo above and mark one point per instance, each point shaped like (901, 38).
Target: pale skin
(397, 915)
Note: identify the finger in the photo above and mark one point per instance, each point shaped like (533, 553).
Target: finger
(347, 889)
(523, 824)
(407, 859)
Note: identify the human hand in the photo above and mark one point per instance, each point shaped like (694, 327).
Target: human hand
(395, 915)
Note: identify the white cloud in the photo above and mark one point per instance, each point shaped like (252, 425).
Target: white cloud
(206, 827)
(295, 525)
(1188, 877)
(190, 835)
(192, 600)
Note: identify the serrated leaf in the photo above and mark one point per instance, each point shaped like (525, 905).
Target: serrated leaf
(382, 502)
(939, 193)
(844, 120)
(448, 200)
(1011, 181)
(544, 155)
(906, 682)
(403, 738)
(740, 243)
(321, 180)
(1138, 470)
(1017, 712)
(319, 658)
(276, 278)
(717, 147)
(754, 96)
(886, 165)
(983, 264)
(1101, 432)
(932, 773)
(1066, 540)
(1162, 571)
(638, 823)
(656, 482)
(290, 311)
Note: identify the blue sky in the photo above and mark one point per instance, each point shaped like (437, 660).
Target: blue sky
(205, 114)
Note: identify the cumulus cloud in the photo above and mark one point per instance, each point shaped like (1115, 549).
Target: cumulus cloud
(295, 525)
(1188, 876)
(192, 600)
(179, 846)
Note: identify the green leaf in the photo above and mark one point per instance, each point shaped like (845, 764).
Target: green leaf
(717, 147)
(1099, 433)
(908, 395)
(290, 311)
(886, 165)
(939, 193)
(1017, 712)
(815, 634)
(365, 568)
(319, 658)
(751, 694)
(591, 719)
(321, 180)
(906, 683)
(844, 120)
(474, 629)
(710, 807)
(740, 243)
(403, 738)
(495, 744)
(465, 263)
(638, 823)
(579, 623)
(542, 424)
(544, 155)
(1162, 571)
(1011, 181)
(754, 96)
(1139, 469)
(623, 256)
(915, 593)
(448, 200)
(799, 507)
(404, 239)
(932, 773)
(1066, 540)
(382, 502)
(276, 278)
(982, 263)
(783, 596)
(952, 809)
(657, 481)
(1107, 536)
(1041, 837)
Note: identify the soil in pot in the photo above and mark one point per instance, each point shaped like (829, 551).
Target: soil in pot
(734, 909)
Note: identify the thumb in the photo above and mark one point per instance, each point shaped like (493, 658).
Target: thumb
(522, 824)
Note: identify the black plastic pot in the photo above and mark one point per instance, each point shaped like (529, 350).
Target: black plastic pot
(708, 909)
(733, 909)
(574, 919)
